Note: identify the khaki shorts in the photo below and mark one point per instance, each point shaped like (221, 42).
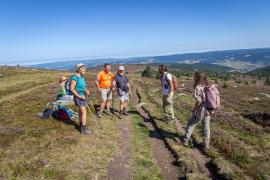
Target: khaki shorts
(106, 94)
(124, 97)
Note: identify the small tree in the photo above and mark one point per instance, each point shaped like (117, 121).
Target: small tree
(149, 72)
(225, 85)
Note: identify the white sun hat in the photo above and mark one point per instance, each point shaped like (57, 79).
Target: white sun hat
(78, 66)
(121, 68)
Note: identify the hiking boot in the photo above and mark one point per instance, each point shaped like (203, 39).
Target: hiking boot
(85, 130)
(108, 111)
(99, 114)
(184, 141)
(125, 112)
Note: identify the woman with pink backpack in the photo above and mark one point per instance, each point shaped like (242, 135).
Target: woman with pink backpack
(207, 100)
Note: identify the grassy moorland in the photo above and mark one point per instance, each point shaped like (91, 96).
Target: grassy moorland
(239, 148)
(34, 148)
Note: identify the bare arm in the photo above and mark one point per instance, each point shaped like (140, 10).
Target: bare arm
(114, 84)
(72, 89)
(171, 85)
(97, 84)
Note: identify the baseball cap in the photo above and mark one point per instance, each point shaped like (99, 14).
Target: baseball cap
(121, 68)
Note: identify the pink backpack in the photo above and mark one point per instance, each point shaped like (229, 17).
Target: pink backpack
(212, 99)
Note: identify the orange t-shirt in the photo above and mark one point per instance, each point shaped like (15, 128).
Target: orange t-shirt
(105, 79)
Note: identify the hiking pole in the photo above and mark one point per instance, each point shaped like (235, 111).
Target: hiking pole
(113, 115)
(95, 120)
(92, 105)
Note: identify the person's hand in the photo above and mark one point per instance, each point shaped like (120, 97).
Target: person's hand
(82, 97)
(87, 92)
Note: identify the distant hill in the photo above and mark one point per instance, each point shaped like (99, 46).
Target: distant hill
(262, 72)
(240, 60)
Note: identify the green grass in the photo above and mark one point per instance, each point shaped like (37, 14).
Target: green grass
(33, 148)
(243, 145)
(143, 163)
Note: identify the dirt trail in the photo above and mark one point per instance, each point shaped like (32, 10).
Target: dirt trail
(166, 161)
(205, 162)
(119, 168)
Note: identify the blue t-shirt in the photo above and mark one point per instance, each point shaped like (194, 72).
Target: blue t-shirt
(81, 85)
(122, 82)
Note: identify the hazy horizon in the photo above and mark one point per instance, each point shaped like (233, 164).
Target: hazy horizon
(41, 31)
(31, 62)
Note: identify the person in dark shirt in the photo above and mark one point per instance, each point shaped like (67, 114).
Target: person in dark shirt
(122, 85)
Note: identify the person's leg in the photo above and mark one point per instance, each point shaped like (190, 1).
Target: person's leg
(192, 123)
(163, 103)
(121, 108)
(165, 107)
(84, 128)
(122, 104)
(168, 108)
(206, 131)
(102, 105)
(103, 94)
(125, 105)
(108, 105)
(170, 112)
(108, 99)
(83, 115)
(80, 117)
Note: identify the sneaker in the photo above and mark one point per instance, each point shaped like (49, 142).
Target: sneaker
(85, 130)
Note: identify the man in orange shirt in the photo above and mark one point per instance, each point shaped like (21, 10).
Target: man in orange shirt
(104, 83)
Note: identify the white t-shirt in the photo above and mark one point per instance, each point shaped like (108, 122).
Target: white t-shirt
(166, 88)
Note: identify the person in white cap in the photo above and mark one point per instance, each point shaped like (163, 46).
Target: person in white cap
(122, 85)
(78, 89)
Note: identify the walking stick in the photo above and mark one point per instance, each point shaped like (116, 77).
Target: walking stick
(92, 105)
(113, 115)
(97, 123)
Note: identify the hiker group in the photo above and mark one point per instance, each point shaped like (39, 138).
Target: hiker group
(106, 82)
(206, 96)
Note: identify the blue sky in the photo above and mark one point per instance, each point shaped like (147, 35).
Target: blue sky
(46, 30)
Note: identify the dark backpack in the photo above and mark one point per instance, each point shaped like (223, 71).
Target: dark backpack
(47, 113)
(63, 113)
